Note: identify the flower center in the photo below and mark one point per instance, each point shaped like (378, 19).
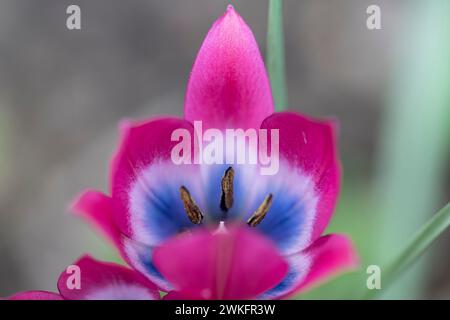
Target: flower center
(195, 215)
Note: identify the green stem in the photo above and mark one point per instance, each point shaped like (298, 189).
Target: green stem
(275, 54)
(421, 242)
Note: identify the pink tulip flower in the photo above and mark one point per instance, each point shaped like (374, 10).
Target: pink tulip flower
(219, 231)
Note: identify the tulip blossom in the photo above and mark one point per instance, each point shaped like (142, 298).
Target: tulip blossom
(222, 230)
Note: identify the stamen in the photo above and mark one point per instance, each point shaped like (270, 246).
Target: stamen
(261, 212)
(193, 211)
(226, 201)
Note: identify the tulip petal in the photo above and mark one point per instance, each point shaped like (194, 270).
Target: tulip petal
(229, 86)
(105, 281)
(97, 209)
(220, 265)
(331, 255)
(326, 257)
(309, 146)
(36, 295)
(146, 182)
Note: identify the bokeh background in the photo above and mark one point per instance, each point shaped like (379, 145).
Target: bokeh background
(63, 92)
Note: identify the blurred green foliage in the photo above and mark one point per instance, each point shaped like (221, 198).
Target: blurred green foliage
(412, 158)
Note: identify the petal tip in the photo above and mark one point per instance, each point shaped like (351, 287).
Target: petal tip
(230, 13)
(81, 203)
(228, 86)
(75, 206)
(125, 125)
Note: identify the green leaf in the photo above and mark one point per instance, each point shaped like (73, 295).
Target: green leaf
(421, 242)
(275, 54)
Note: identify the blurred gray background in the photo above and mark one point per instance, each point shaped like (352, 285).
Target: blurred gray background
(63, 92)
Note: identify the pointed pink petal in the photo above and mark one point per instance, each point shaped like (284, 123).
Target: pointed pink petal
(105, 281)
(325, 258)
(141, 171)
(310, 147)
(228, 86)
(97, 209)
(36, 295)
(238, 264)
(330, 255)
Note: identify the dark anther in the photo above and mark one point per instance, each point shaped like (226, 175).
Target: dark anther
(226, 200)
(261, 212)
(193, 211)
